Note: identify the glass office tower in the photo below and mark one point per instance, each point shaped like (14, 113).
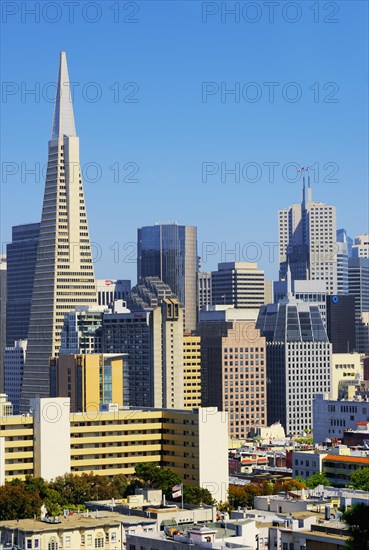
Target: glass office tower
(170, 253)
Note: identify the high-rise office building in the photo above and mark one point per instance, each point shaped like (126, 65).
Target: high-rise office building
(360, 248)
(152, 336)
(240, 284)
(342, 267)
(21, 256)
(233, 368)
(81, 331)
(204, 292)
(14, 359)
(64, 274)
(307, 241)
(170, 252)
(109, 290)
(298, 359)
(341, 322)
(359, 288)
(2, 317)
(314, 292)
(343, 237)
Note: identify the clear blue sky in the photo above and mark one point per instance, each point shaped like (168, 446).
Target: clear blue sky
(172, 130)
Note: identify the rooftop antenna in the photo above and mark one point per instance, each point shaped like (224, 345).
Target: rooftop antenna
(309, 190)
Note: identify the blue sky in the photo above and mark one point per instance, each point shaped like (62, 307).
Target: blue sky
(141, 106)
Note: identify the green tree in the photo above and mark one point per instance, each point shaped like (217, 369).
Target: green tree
(360, 479)
(357, 520)
(197, 495)
(316, 479)
(17, 503)
(158, 478)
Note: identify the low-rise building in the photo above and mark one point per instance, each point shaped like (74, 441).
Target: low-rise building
(307, 463)
(75, 531)
(338, 468)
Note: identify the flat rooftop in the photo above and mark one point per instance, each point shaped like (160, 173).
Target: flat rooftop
(72, 522)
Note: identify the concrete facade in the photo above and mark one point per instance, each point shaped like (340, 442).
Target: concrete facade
(331, 418)
(233, 373)
(52, 442)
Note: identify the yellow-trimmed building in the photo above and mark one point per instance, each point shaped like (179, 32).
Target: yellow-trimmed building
(114, 441)
(192, 371)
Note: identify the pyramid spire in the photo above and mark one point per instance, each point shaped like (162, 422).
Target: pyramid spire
(63, 119)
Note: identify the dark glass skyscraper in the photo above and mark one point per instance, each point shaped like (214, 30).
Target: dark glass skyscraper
(21, 255)
(170, 253)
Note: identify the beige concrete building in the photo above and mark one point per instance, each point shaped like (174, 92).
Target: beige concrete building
(346, 370)
(52, 442)
(74, 532)
(64, 274)
(89, 380)
(307, 241)
(233, 366)
(192, 371)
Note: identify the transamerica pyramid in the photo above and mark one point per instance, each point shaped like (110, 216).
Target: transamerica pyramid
(64, 276)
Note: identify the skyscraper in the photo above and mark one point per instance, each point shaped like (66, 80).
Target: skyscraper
(152, 336)
(359, 287)
(2, 317)
(307, 241)
(360, 248)
(64, 275)
(240, 284)
(298, 359)
(21, 255)
(170, 252)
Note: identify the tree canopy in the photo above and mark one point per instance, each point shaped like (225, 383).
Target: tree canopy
(360, 479)
(357, 520)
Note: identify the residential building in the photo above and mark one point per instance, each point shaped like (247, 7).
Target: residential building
(346, 370)
(332, 417)
(240, 284)
(360, 248)
(2, 317)
(341, 462)
(14, 359)
(298, 358)
(359, 288)
(21, 258)
(109, 290)
(89, 380)
(191, 371)
(51, 441)
(204, 292)
(169, 251)
(152, 336)
(64, 274)
(307, 241)
(341, 322)
(77, 531)
(307, 463)
(233, 372)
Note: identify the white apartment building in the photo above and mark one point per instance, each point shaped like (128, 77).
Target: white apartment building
(332, 417)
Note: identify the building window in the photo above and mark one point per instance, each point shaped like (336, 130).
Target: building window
(53, 544)
(29, 543)
(99, 541)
